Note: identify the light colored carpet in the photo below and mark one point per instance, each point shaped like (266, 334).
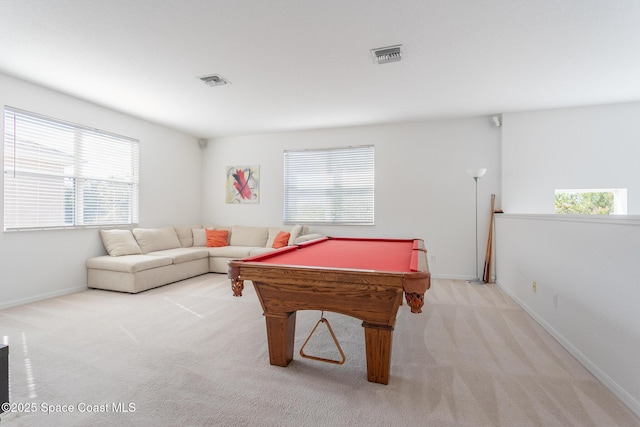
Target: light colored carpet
(189, 354)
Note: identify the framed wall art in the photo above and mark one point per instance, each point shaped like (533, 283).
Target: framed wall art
(243, 184)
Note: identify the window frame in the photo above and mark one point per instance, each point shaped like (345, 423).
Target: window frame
(318, 191)
(62, 175)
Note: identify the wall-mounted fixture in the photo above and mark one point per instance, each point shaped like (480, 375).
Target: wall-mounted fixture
(214, 80)
(383, 55)
(496, 121)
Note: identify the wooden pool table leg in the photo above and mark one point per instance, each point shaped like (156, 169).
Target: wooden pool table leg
(281, 331)
(237, 285)
(415, 301)
(378, 340)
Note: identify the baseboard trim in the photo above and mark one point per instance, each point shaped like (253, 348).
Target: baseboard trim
(451, 277)
(605, 379)
(41, 297)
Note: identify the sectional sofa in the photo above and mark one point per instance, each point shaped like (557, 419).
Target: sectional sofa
(145, 258)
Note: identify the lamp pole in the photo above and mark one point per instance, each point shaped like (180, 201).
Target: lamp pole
(476, 174)
(475, 178)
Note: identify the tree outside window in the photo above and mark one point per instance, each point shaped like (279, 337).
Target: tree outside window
(591, 202)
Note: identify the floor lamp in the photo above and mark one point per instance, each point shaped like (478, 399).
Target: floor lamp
(476, 174)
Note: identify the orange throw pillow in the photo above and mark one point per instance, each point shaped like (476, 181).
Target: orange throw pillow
(281, 240)
(217, 238)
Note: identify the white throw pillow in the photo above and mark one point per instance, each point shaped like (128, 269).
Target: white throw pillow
(185, 235)
(199, 237)
(296, 232)
(119, 242)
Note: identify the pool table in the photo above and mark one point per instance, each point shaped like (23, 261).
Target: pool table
(358, 277)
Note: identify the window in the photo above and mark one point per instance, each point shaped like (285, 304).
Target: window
(330, 186)
(58, 174)
(592, 201)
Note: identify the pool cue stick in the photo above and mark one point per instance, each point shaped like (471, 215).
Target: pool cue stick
(490, 265)
(487, 260)
(487, 255)
(491, 225)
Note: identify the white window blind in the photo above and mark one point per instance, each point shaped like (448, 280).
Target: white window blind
(329, 186)
(58, 174)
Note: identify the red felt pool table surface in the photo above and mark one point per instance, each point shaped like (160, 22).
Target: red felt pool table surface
(396, 255)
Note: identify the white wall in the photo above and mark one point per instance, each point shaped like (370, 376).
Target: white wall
(592, 266)
(591, 263)
(37, 264)
(589, 147)
(422, 189)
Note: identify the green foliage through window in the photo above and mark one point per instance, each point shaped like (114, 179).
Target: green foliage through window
(585, 203)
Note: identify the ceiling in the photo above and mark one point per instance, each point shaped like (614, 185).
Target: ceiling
(306, 64)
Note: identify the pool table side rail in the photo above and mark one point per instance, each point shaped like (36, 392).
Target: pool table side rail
(415, 281)
(372, 297)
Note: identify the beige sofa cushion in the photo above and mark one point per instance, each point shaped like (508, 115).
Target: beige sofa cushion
(260, 251)
(199, 237)
(128, 264)
(185, 235)
(296, 232)
(230, 251)
(119, 242)
(308, 237)
(180, 255)
(249, 236)
(156, 239)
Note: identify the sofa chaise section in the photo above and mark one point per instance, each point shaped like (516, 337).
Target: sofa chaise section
(137, 273)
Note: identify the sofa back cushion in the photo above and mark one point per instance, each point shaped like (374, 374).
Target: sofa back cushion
(119, 242)
(199, 237)
(296, 231)
(185, 235)
(249, 236)
(156, 239)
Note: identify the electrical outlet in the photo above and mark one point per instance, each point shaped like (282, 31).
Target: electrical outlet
(432, 259)
(534, 286)
(555, 300)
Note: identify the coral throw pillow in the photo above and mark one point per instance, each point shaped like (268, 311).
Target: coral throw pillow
(217, 238)
(281, 240)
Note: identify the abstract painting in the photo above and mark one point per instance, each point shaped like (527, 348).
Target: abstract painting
(243, 184)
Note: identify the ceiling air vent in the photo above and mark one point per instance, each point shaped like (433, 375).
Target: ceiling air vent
(383, 55)
(214, 80)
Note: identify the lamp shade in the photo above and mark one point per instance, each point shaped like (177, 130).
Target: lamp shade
(476, 173)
